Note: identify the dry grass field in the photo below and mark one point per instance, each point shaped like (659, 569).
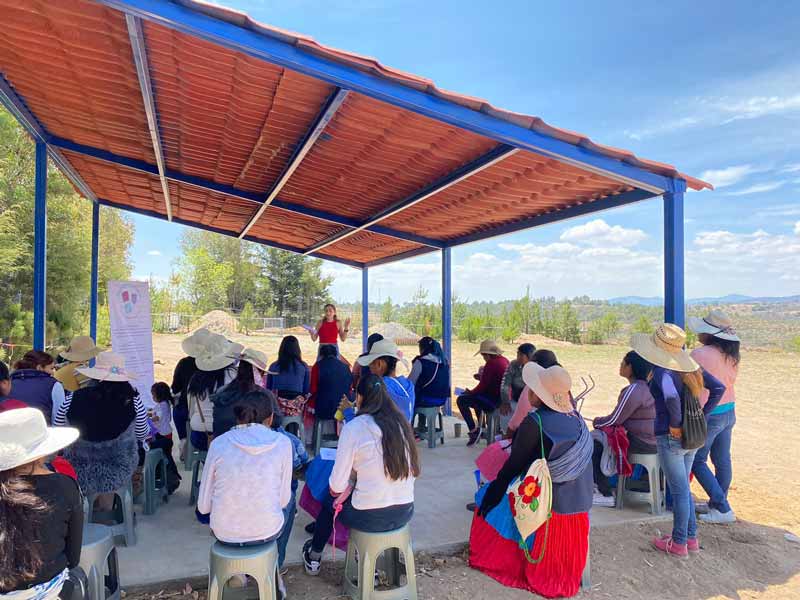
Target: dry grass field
(747, 560)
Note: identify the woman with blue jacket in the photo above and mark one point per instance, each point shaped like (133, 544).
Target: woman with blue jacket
(675, 375)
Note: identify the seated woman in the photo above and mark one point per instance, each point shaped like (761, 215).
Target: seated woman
(635, 411)
(484, 397)
(111, 418)
(382, 361)
(249, 375)
(216, 368)
(545, 359)
(430, 375)
(558, 434)
(330, 380)
(377, 446)
(360, 371)
(289, 377)
(41, 513)
(512, 385)
(32, 382)
(247, 477)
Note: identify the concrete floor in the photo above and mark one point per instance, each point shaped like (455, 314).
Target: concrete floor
(172, 545)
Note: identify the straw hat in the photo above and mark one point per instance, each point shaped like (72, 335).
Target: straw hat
(489, 347)
(218, 353)
(255, 357)
(664, 348)
(81, 349)
(194, 344)
(109, 366)
(716, 323)
(551, 385)
(379, 349)
(25, 437)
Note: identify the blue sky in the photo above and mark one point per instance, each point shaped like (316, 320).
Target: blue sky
(713, 87)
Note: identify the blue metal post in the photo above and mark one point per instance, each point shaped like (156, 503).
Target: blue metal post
(447, 318)
(364, 307)
(674, 308)
(40, 247)
(95, 258)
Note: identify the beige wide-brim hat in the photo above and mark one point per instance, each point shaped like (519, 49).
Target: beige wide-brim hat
(255, 357)
(551, 385)
(489, 347)
(664, 348)
(25, 437)
(715, 323)
(109, 366)
(81, 349)
(218, 354)
(195, 344)
(380, 349)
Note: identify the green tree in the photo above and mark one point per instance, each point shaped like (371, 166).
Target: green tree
(248, 320)
(566, 322)
(643, 325)
(387, 310)
(206, 280)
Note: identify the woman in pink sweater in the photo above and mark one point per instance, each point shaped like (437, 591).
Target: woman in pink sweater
(719, 356)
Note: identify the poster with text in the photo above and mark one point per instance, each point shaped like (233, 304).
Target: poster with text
(132, 331)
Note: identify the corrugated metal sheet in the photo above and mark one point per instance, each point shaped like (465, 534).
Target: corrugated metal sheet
(236, 120)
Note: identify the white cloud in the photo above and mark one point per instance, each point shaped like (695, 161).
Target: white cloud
(758, 188)
(668, 126)
(154, 253)
(720, 178)
(797, 228)
(779, 210)
(793, 168)
(600, 233)
(755, 106)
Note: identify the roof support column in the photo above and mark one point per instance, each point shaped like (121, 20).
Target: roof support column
(40, 248)
(364, 307)
(674, 301)
(447, 320)
(95, 265)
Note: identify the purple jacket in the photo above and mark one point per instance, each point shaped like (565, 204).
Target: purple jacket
(667, 386)
(34, 388)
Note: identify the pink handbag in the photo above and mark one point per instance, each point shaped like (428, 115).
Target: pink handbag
(491, 460)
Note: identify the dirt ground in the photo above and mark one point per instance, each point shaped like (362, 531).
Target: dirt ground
(750, 559)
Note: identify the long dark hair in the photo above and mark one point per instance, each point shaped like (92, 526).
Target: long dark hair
(640, 368)
(545, 358)
(289, 354)
(205, 383)
(245, 378)
(333, 306)
(21, 516)
(33, 359)
(400, 457)
(114, 391)
(729, 348)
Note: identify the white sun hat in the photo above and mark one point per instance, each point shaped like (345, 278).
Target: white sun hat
(551, 385)
(108, 366)
(380, 349)
(255, 357)
(715, 323)
(25, 437)
(196, 343)
(218, 353)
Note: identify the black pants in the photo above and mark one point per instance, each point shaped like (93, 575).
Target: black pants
(600, 479)
(372, 520)
(478, 403)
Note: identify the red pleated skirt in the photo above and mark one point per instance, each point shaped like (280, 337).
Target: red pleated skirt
(558, 575)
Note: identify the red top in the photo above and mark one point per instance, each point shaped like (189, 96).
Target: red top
(491, 378)
(328, 332)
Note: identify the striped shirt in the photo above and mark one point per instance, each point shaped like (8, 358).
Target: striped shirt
(141, 428)
(635, 411)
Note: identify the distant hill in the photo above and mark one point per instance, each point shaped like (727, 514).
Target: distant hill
(729, 299)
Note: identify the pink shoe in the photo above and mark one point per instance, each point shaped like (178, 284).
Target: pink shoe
(665, 544)
(693, 545)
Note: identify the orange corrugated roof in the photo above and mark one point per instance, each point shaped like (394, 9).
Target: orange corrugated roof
(229, 119)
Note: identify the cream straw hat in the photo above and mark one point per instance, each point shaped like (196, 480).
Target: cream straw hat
(551, 385)
(489, 347)
(109, 366)
(81, 349)
(664, 348)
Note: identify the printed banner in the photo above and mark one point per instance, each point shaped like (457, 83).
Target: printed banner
(132, 331)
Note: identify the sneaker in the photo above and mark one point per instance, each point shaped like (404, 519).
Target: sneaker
(693, 545)
(599, 499)
(311, 565)
(714, 516)
(701, 508)
(472, 507)
(474, 436)
(665, 544)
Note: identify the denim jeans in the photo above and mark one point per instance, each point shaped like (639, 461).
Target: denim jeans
(288, 522)
(677, 465)
(718, 445)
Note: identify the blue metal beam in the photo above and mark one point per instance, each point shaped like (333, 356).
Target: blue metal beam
(17, 107)
(249, 238)
(211, 186)
(94, 271)
(283, 52)
(476, 166)
(447, 319)
(364, 308)
(578, 210)
(40, 248)
(143, 72)
(674, 302)
(326, 114)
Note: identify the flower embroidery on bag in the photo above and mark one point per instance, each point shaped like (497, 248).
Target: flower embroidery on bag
(529, 491)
